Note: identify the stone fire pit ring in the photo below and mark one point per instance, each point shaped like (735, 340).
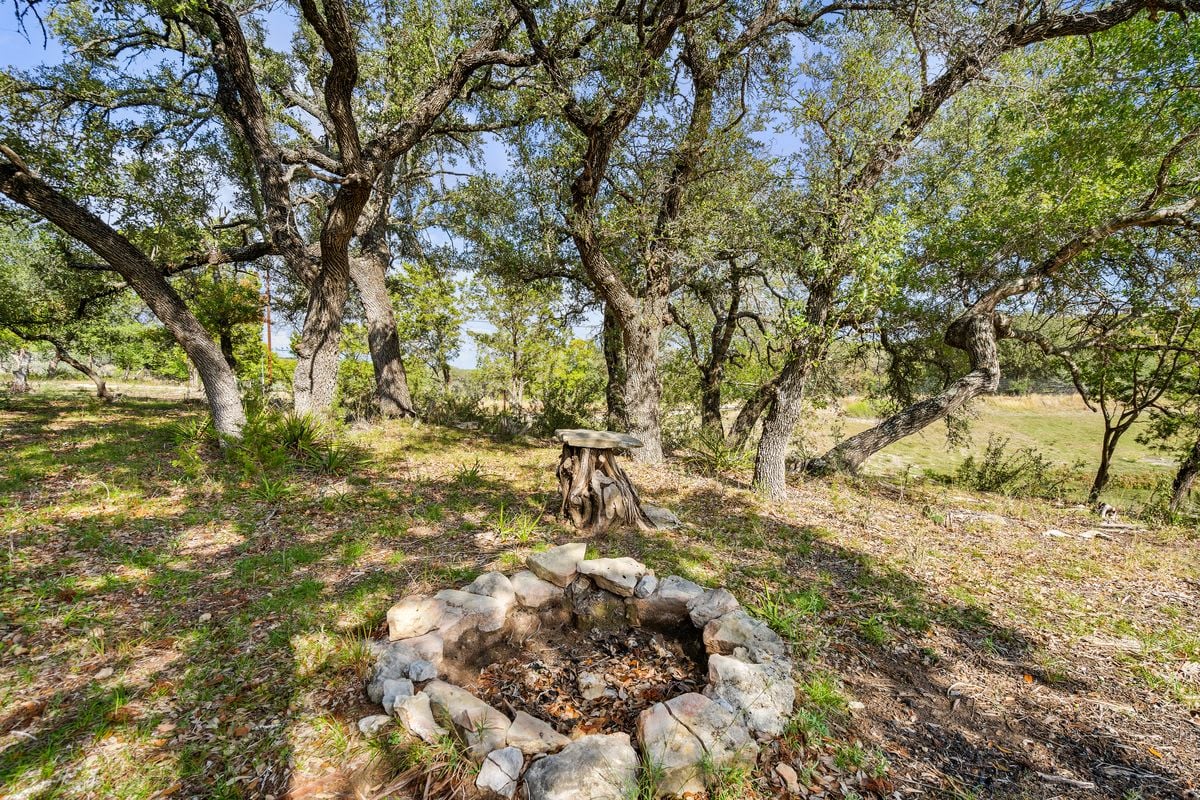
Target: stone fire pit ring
(748, 697)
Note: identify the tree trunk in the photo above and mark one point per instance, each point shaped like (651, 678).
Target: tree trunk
(1108, 447)
(225, 340)
(750, 413)
(617, 418)
(391, 380)
(61, 354)
(710, 401)
(220, 384)
(643, 385)
(974, 333)
(319, 351)
(20, 384)
(1181, 487)
(783, 414)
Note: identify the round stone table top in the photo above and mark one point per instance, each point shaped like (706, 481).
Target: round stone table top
(579, 437)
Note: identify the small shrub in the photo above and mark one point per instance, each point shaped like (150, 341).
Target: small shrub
(1022, 471)
(709, 454)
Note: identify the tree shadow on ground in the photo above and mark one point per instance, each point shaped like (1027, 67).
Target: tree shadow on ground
(885, 633)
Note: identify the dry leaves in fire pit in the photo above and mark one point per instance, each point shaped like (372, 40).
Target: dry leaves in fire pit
(596, 682)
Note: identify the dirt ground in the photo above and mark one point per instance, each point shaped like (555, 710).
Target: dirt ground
(178, 624)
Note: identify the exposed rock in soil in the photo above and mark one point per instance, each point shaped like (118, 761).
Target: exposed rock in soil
(667, 605)
(687, 735)
(480, 726)
(599, 767)
(595, 608)
(533, 736)
(493, 584)
(738, 629)
(710, 605)
(415, 715)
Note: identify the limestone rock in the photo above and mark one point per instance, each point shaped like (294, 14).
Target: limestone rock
(596, 767)
(663, 519)
(416, 615)
(533, 736)
(645, 587)
(710, 605)
(493, 584)
(480, 726)
(596, 609)
(738, 629)
(687, 734)
(393, 690)
(395, 659)
(415, 715)
(369, 726)
(558, 564)
(422, 670)
(500, 772)
(591, 685)
(667, 605)
(618, 575)
(480, 611)
(533, 592)
(762, 694)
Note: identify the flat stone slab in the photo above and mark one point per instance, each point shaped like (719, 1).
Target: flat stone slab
(415, 715)
(558, 564)
(596, 767)
(532, 591)
(710, 605)
(500, 772)
(485, 612)
(617, 575)
(737, 629)
(533, 736)
(667, 604)
(480, 726)
(580, 437)
(493, 584)
(416, 615)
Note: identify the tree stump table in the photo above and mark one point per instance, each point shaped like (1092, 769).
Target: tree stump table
(596, 492)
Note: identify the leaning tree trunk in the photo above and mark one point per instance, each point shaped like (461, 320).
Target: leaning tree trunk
(391, 380)
(1181, 487)
(102, 392)
(616, 418)
(144, 277)
(974, 333)
(643, 385)
(20, 384)
(750, 413)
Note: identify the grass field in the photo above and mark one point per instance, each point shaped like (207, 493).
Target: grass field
(1060, 427)
(175, 623)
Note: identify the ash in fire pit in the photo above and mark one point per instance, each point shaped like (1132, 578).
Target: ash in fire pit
(552, 674)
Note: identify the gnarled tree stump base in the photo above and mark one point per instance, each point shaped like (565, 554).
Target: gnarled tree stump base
(596, 492)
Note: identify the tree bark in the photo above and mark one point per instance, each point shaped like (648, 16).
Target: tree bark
(391, 379)
(220, 384)
(975, 334)
(225, 340)
(1181, 487)
(20, 384)
(785, 408)
(61, 353)
(614, 362)
(750, 413)
(643, 385)
(1108, 447)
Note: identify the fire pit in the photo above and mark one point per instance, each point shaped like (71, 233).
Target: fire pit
(549, 677)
